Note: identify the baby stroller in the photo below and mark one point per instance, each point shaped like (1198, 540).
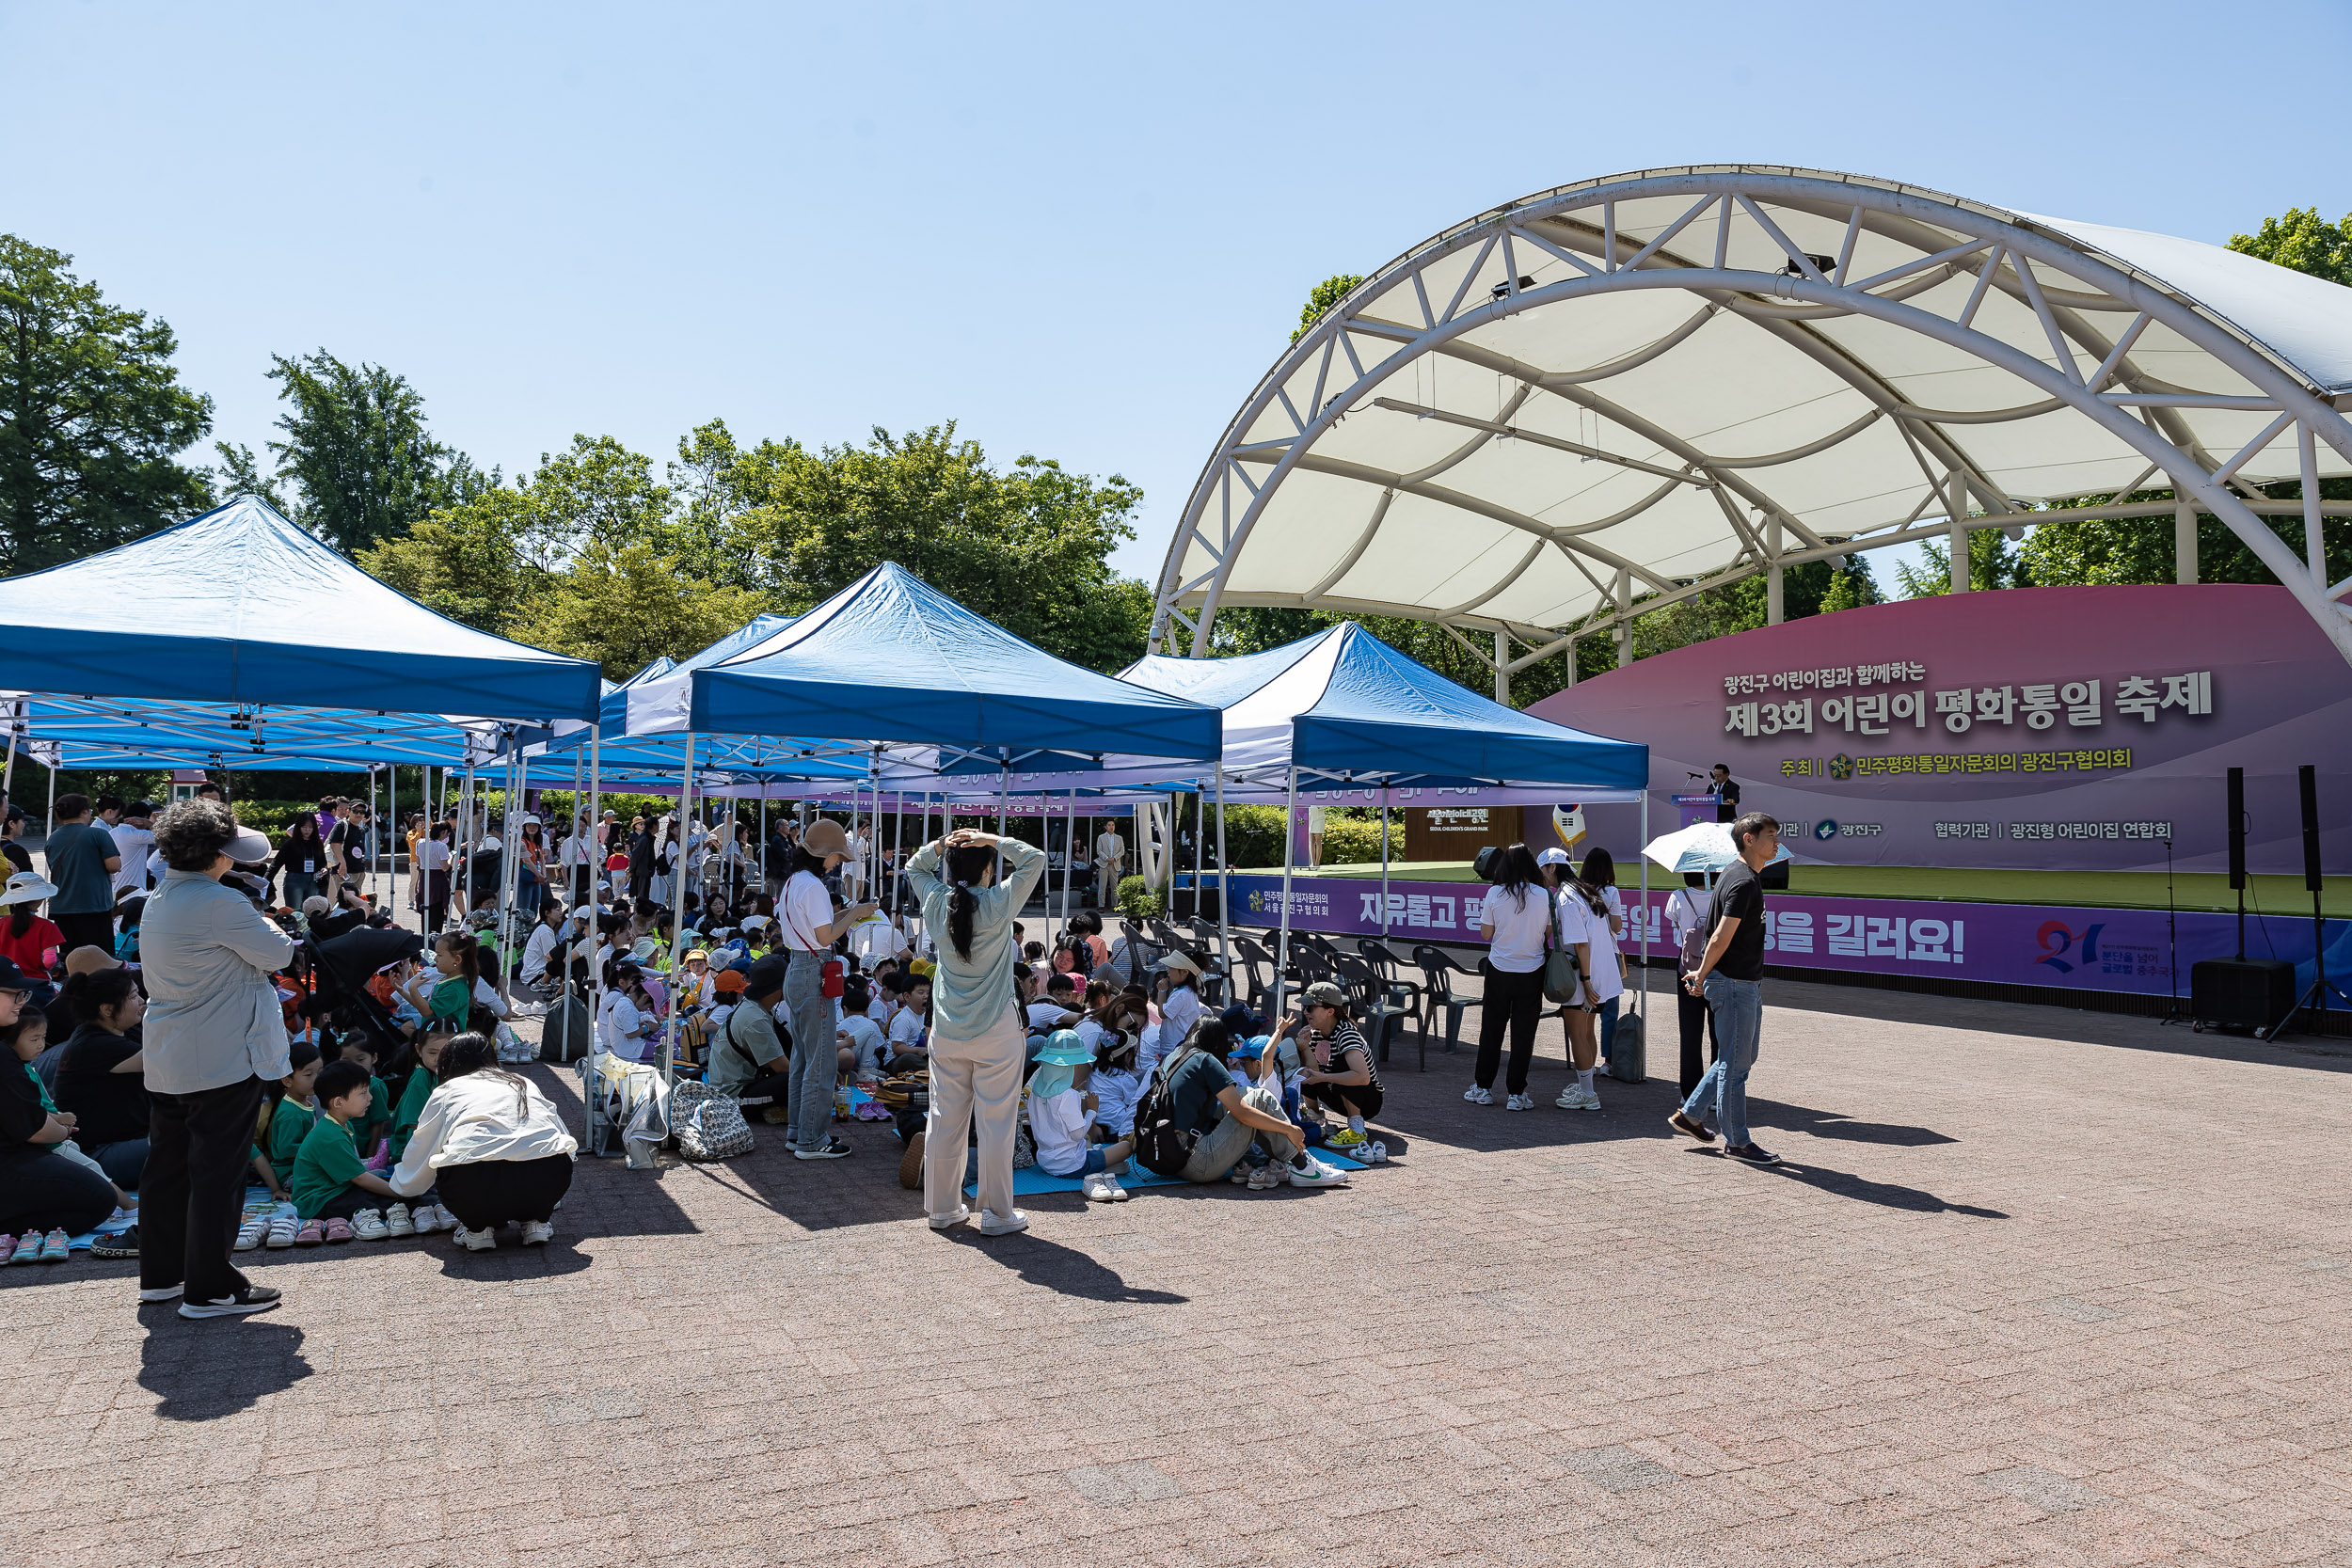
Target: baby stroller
(340, 967)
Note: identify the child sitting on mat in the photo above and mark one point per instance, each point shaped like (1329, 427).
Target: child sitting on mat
(1061, 1117)
(292, 1113)
(368, 1128)
(334, 1192)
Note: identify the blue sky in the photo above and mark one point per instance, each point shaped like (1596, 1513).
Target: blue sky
(1082, 232)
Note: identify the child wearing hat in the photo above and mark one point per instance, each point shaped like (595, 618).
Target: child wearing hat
(1061, 1118)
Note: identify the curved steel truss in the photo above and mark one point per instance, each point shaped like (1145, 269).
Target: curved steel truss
(1608, 397)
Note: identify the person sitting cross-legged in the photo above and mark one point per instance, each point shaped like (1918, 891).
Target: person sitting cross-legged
(1061, 1119)
(1214, 1122)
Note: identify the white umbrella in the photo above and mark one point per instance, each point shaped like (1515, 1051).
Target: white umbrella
(1701, 847)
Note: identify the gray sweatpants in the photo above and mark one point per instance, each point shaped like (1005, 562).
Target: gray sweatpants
(1222, 1145)
(815, 1063)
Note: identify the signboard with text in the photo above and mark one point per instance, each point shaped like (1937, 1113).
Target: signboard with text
(2049, 728)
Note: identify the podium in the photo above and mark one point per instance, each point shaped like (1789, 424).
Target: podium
(1694, 808)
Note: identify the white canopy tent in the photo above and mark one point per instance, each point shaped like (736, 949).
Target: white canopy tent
(1603, 398)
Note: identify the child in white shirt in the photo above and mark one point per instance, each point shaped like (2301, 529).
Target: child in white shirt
(858, 1038)
(1061, 1119)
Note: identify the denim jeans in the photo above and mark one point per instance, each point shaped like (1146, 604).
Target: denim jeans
(1609, 1027)
(814, 1064)
(1738, 1009)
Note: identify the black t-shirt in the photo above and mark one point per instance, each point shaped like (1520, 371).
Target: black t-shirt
(22, 1114)
(112, 1105)
(17, 856)
(1740, 895)
(1193, 1089)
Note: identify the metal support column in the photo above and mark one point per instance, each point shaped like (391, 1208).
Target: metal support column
(1956, 508)
(1503, 667)
(1773, 599)
(2184, 543)
(1290, 832)
(1625, 609)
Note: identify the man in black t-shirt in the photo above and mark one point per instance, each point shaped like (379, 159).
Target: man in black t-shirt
(1730, 975)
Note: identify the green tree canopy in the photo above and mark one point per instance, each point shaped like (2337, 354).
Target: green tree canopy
(1320, 300)
(91, 412)
(365, 468)
(2303, 240)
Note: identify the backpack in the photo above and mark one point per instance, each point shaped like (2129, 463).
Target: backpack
(707, 1123)
(1162, 1145)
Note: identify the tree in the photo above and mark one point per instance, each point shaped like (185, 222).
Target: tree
(1027, 547)
(626, 605)
(91, 412)
(240, 474)
(356, 445)
(1320, 300)
(1990, 565)
(2301, 241)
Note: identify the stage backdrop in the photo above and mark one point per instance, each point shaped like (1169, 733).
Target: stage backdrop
(2056, 728)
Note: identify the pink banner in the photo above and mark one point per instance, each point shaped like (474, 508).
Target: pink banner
(2049, 728)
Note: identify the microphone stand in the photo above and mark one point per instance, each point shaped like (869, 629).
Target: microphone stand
(2171, 940)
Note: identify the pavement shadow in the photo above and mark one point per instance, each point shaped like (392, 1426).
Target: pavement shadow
(1885, 1194)
(200, 1371)
(1836, 1124)
(1064, 1270)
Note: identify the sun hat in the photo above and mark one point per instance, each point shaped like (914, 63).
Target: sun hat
(1553, 856)
(89, 961)
(28, 887)
(1323, 993)
(249, 848)
(693, 953)
(825, 837)
(730, 980)
(1179, 959)
(754, 922)
(1063, 1048)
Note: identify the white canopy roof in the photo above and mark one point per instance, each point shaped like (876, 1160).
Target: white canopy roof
(1641, 386)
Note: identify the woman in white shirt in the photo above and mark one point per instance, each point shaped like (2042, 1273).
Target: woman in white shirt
(493, 1144)
(433, 856)
(1600, 873)
(1583, 916)
(1514, 918)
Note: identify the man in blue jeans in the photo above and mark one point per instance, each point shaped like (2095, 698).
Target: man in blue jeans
(1730, 975)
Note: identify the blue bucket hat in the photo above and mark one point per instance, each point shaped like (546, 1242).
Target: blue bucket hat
(1064, 1048)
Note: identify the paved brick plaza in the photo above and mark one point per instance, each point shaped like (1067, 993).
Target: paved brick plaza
(2038, 1287)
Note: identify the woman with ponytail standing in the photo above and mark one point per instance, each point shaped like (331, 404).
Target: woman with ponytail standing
(807, 927)
(977, 1045)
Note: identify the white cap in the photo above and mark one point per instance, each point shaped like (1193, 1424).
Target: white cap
(1553, 856)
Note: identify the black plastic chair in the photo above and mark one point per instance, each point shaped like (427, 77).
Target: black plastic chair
(1375, 1008)
(1256, 974)
(1438, 969)
(1392, 972)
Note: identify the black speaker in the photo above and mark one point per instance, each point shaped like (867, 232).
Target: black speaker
(2307, 783)
(2240, 993)
(1775, 876)
(2237, 827)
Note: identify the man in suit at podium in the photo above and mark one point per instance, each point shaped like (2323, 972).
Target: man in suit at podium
(1726, 792)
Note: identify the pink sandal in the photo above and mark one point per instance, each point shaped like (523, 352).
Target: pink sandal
(338, 1230)
(311, 1234)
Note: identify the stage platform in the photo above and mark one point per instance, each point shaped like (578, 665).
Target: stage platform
(2123, 890)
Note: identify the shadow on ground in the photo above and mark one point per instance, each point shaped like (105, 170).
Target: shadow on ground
(200, 1371)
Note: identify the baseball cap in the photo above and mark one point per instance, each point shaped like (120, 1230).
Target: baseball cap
(1553, 856)
(1248, 1050)
(730, 980)
(249, 848)
(315, 904)
(766, 975)
(13, 978)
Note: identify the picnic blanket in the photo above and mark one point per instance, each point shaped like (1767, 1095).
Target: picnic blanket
(1032, 1180)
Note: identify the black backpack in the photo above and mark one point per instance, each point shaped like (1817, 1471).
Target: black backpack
(1161, 1144)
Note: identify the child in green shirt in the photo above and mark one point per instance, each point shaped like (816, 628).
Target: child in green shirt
(293, 1116)
(369, 1129)
(422, 1080)
(331, 1184)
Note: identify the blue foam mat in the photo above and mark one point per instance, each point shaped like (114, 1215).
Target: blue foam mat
(1032, 1180)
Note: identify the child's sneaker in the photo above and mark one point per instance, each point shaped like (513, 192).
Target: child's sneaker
(7, 1247)
(1347, 1141)
(397, 1221)
(283, 1229)
(28, 1248)
(252, 1233)
(369, 1226)
(55, 1247)
(426, 1217)
(1477, 1096)
(338, 1230)
(312, 1233)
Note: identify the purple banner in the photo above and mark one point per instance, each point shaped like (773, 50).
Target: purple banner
(2012, 944)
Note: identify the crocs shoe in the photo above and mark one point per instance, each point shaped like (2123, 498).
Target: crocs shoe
(399, 1222)
(337, 1230)
(284, 1230)
(119, 1243)
(369, 1226)
(252, 1233)
(312, 1233)
(54, 1248)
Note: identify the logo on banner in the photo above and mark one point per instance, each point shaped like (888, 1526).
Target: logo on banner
(1841, 766)
(1826, 828)
(2058, 941)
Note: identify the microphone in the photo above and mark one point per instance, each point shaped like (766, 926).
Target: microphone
(1688, 774)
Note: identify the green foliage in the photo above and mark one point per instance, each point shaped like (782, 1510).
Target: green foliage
(2140, 549)
(1136, 901)
(91, 411)
(1351, 841)
(1991, 564)
(1325, 295)
(356, 447)
(555, 806)
(626, 607)
(2302, 241)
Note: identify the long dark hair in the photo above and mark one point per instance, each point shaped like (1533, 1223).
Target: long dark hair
(302, 820)
(967, 863)
(21, 918)
(1600, 869)
(1514, 871)
(804, 861)
(469, 956)
(477, 1054)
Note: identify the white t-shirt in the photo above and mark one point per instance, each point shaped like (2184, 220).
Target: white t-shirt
(866, 1039)
(539, 949)
(1578, 922)
(617, 1024)
(906, 1028)
(1181, 1011)
(1517, 944)
(1048, 1015)
(1686, 911)
(804, 906)
(433, 855)
(875, 937)
(133, 845)
(1058, 1124)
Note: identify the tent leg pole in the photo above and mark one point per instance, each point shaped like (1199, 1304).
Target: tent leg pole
(49, 824)
(670, 959)
(595, 971)
(509, 861)
(1640, 998)
(1224, 888)
(1282, 948)
(1384, 865)
(1069, 857)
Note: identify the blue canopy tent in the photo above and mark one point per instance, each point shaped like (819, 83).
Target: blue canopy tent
(241, 606)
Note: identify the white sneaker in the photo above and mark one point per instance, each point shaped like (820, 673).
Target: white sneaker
(369, 1226)
(1477, 1096)
(1317, 1174)
(994, 1224)
(161, 1293)
(428, 1217)
(1118, 1193)
(477, 1240)
(537, 1232)
(252, 1233)
(1090, 1188)
(1520, 1103)
(283, 1229)
(1576, 1099)
(948, 1222)
(1373, 1153)
(397, 1221)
